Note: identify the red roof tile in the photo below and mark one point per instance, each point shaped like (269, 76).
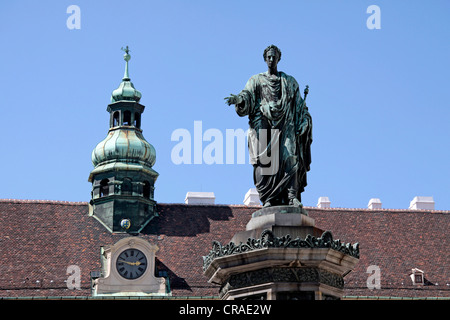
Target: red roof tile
(40, 239)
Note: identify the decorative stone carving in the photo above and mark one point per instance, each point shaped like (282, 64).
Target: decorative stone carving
(282, 274)
(268, 240)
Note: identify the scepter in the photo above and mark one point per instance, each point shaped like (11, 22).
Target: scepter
(305, 92)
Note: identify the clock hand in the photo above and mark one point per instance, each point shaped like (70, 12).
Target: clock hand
(127, 262)
(137, 263)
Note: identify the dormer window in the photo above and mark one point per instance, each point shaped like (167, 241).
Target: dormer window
(417, 276)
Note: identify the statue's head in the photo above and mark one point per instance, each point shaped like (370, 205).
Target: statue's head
(274, 49)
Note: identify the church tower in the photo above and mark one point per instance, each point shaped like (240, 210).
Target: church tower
(123, 179)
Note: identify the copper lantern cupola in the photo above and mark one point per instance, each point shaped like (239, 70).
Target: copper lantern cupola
(123, 178)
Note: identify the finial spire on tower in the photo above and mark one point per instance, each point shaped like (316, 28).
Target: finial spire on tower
(126, 90)
(127, 58)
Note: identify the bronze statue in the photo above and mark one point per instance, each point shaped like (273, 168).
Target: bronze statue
(280, 132)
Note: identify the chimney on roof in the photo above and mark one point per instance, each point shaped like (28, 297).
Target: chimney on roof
(323, 202)
(422, 203)
(200, 198)
(252, 198)
(374, 203)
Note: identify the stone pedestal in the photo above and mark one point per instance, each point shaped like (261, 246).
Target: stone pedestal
(281, 255)
(281, 220)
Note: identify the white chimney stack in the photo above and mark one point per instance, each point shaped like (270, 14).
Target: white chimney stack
(422, 203)
(374, 203)
(323, 202)
(200, 198)
(252, 198)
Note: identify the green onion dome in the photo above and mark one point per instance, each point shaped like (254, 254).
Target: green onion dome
(124, 145)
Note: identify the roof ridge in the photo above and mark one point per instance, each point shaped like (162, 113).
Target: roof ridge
(43, 201)
(380, 209)
(230, 205)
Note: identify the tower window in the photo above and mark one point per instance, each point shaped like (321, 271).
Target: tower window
(126, 186)
(116, 116)
(104, 188)
(137, 120)
(146, 191)
(127, 118)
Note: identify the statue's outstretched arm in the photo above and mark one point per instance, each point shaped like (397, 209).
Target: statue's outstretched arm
(233, 99)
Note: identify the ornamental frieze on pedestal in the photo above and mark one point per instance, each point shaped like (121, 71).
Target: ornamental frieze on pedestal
(269, 240)
(282, 274)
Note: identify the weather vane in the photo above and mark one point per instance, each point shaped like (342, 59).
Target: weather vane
(126, 49)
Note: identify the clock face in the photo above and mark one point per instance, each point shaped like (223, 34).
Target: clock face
(131, 264)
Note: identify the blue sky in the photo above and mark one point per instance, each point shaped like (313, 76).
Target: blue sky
(379, 99)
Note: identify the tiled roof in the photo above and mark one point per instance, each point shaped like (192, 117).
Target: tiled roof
(40, 239)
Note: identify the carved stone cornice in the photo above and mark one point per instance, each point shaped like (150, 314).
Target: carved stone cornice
(269, 240)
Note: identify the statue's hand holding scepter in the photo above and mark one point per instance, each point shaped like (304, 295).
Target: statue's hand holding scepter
(303, 129)
(305, 92)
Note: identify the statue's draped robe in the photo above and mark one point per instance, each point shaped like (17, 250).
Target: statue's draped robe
(281, 160)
